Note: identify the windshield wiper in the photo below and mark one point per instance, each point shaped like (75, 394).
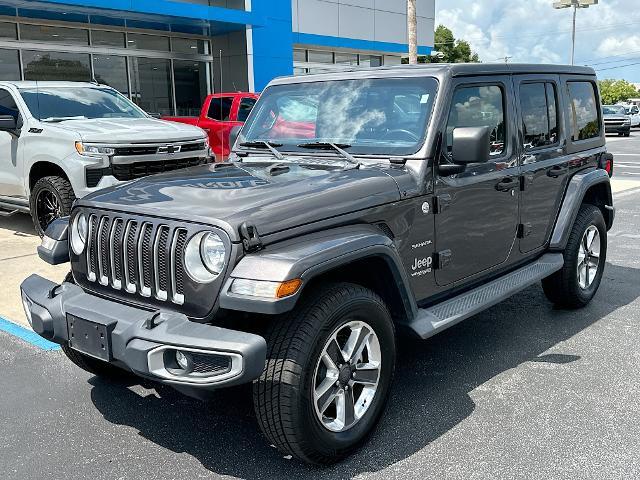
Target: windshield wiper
(62, 119)
(333, 146)
(265, 144)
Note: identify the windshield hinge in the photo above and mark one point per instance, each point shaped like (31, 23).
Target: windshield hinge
(250, 238)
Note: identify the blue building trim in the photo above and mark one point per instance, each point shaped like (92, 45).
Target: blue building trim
(272, 42)
(356, 44)
(165, 8)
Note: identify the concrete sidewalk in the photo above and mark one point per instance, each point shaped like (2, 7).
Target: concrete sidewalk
(18, 260)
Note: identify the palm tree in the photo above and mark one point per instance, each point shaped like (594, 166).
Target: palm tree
(412, 27)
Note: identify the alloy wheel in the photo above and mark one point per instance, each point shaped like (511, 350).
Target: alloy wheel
(346, 376)
(48, 208)
(588, 257)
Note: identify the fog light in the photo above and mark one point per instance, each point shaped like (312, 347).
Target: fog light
(184, 360)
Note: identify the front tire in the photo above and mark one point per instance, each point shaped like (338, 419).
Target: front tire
(584, 259)
(51, 198)
(328, 373)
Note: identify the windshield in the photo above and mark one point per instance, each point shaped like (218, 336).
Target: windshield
(61, 103)
(613, 110)
(373, 116)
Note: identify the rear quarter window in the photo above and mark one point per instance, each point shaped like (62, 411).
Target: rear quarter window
(583, 111)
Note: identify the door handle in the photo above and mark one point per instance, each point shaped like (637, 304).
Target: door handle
(557, 171)
(506, 184)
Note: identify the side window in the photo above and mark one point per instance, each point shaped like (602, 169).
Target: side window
(220, 109)
(479, 106)
(8, 104)
(246, 105)
(583, 111)
(539, 115)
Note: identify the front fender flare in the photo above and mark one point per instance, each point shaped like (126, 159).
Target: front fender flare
(307, 257)
(573, 198)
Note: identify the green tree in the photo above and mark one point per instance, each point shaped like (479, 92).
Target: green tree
(614, 91)
(452, 50)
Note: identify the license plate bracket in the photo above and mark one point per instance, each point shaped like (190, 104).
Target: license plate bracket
(90, 338)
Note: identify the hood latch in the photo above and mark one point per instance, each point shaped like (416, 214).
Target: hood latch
(250, 238)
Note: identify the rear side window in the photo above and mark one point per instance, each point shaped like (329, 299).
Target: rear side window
(246, 105)
(220, 109)
(583, 111)
(539, 114)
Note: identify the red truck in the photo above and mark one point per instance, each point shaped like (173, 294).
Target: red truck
(220, 113)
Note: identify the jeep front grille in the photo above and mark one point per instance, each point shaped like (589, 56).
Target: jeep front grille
(137, 256)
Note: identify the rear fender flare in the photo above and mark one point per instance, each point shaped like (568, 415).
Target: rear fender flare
(578, 189)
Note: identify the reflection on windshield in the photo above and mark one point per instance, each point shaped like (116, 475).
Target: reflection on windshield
(383, 116)
(613, 110)
(67, 103)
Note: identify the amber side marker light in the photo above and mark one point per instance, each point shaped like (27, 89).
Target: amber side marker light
(288, 288)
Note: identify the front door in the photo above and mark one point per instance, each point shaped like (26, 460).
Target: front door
(477, 210)
(11, 184)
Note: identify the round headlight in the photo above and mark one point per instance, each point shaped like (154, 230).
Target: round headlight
(204, 257)
(79, 231)
(212, 252)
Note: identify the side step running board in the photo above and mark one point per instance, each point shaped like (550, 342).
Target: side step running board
(4, 213)
(436, 318)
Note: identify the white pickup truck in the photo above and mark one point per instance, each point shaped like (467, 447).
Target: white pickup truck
(62, 140)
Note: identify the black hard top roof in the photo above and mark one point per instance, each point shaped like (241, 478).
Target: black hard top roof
(442, 70)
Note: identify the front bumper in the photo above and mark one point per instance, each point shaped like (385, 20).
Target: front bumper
(138, 339)
(617, 128)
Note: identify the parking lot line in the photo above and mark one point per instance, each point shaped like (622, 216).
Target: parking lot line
(26, 335)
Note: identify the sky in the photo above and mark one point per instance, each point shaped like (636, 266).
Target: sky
(607, 35)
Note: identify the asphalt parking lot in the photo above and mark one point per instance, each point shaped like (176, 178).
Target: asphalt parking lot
(519, 391)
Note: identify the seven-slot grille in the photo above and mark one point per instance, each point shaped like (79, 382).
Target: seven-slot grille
(137, 256)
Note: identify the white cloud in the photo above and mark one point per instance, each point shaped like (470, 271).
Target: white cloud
(532, 31)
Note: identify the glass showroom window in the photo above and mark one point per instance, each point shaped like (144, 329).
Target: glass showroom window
(9, 65)
(101, 38)
(191, 80)
(151, 85)
(190, 45)
(74, 67)
(111, 70)
(63, 35)
(148, 42)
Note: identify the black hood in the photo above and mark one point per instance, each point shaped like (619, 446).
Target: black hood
(247, 192)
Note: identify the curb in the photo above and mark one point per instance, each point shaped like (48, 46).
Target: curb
(27, 335)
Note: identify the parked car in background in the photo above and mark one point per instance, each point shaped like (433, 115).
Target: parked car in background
(220, 113)
(633, 111)
(616, 120)
(62, 140)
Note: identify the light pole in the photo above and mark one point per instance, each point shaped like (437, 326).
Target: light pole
(576, 4)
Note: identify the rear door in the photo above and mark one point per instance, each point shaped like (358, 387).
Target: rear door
(544, 161)
(477, 210)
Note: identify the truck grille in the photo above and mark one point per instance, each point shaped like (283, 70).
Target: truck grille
(131, 171)
(136, 256)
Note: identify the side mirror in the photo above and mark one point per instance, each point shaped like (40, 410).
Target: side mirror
(8, 123)
(233, 135)
(471, 145)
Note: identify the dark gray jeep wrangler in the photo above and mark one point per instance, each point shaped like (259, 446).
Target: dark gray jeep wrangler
(356, 205)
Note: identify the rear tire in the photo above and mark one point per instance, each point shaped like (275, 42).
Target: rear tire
(51, 198)
(577, 282)
(289, 393)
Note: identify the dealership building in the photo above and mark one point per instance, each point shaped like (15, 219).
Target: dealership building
(167, 55)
